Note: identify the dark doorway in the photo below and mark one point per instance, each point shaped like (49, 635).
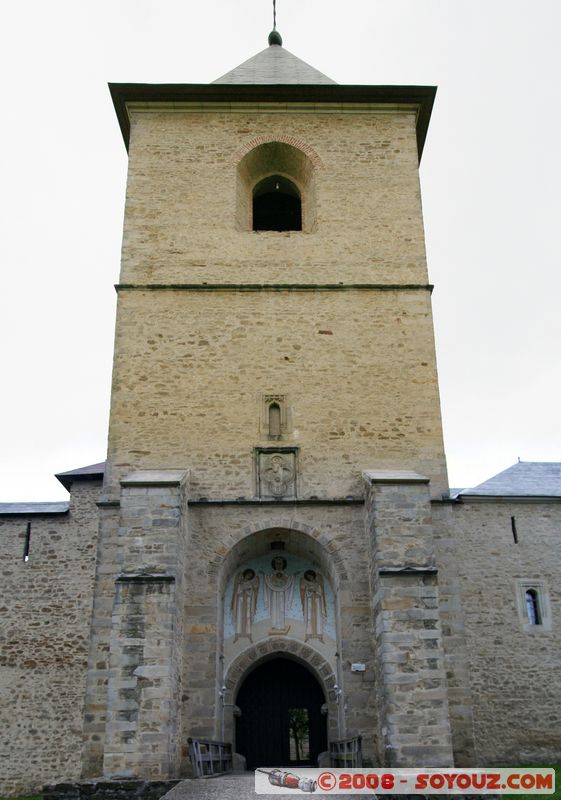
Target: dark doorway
(276, 205)
(281, 724)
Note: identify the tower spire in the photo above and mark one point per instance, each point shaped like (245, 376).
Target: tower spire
(274, 36)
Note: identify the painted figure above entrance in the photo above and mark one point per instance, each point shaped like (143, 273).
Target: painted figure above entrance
(279, 595)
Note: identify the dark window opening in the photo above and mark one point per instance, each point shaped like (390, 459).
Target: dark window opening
(514, 531)
(533, 607)
(277, 205)
(27, 544)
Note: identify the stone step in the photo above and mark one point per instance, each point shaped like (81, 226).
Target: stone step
(238, 786)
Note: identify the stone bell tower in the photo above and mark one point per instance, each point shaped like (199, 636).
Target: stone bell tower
(275, 437)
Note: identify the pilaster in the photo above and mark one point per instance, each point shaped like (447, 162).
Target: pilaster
(411, 681)
(143, 717)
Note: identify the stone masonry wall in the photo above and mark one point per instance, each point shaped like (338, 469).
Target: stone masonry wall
(515, 670)
(338, 532)
(108, 566)
(357, 368)
(132, 707)
(357, 365)
(113, 734)
(411, 686)
(180, 217)
(452, 618)
(45, 612)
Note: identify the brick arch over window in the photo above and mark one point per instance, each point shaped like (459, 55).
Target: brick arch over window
(287, 163)
(294, 141)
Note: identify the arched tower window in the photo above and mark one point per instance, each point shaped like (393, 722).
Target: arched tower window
(277, 205)
(276, 189)
(533, 607)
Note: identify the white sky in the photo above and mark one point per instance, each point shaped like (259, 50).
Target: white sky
(490, 175)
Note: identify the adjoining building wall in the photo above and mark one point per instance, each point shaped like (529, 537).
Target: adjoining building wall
(502, 675)
(514, 667)
(452, 618)
(45, 611)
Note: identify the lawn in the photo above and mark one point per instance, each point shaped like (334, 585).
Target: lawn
(556, 796)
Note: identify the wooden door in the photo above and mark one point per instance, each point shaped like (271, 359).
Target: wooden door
(281, 723)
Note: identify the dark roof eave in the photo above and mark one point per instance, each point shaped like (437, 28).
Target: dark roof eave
(34, 509)
(123, 93)
(507, 498)
(94, 472)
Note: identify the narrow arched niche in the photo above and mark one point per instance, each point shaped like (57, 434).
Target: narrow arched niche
(274, 421)
(260, 205)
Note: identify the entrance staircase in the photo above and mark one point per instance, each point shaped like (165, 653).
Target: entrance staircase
(212, 763)
(235, 786)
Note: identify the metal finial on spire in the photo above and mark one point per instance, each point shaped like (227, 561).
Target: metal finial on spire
(274, 36)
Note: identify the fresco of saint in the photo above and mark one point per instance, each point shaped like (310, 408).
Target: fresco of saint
(244, 603)
(279, 588)
(314, 607)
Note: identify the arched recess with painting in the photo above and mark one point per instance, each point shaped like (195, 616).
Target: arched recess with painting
(276, 188)
(280, 648)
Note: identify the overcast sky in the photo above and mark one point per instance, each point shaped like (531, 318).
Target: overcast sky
(490, 176)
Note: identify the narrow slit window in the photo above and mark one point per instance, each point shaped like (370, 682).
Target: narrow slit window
(27, 543)
(277, 205)
(533, 607)
(274, 420)
(514, 531)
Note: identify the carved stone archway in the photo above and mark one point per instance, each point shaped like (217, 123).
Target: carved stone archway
(257, 654)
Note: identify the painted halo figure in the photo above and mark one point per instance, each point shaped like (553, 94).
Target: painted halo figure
(279, 588)
(244, 603)
(312, 594)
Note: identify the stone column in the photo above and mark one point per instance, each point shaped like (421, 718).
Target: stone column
(411, 682)
(143, 709)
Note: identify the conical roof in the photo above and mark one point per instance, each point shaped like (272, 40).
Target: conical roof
(274, 65)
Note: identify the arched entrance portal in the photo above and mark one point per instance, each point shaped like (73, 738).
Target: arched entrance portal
(281, 722)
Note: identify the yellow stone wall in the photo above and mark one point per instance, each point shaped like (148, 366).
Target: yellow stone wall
(180, 223)
(357, 364)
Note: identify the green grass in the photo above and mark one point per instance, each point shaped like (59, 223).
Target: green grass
(555, 796)
(27, 797)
